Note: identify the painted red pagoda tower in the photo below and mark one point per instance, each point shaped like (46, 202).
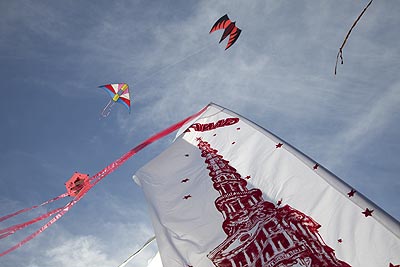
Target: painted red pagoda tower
(259, 234)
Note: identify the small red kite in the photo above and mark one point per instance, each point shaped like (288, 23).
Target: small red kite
(230, 29)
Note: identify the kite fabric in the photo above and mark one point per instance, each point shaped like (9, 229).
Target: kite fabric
(230, 193)
(155, 261)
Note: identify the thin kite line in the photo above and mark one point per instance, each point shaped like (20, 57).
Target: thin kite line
(340, 53)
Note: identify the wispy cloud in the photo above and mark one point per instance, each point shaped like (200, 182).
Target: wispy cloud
(367, 124)
(80, 251)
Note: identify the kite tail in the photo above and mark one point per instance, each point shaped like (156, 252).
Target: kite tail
(64, 210)
(94, 180)
(33, 207)
(12, 229)
(340, 53)
(107, 109)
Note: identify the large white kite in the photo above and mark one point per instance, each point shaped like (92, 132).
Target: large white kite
(229, 193)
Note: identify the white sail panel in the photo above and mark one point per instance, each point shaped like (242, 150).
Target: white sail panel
(229, 193)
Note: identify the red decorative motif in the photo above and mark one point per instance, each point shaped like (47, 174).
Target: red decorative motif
(367, 212)
(316, 166)
(199, 127)
(279, 145)
(258, 233)
(351, 193)
(77, 184)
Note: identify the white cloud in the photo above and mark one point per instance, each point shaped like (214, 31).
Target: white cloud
(82, 251)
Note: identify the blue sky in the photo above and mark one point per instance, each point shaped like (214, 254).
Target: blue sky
(279, 74)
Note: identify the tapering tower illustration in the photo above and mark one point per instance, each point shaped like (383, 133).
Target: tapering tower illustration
(260, 234)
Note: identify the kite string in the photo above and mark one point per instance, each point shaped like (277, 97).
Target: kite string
(100, 175)
(172, 64)
(107, 109)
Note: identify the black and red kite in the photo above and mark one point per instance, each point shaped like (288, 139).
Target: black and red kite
(230, 29)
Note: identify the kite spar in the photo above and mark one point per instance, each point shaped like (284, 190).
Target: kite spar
(148, 242)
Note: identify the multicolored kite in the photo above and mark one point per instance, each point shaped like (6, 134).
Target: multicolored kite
(119, 93)
(230, 29)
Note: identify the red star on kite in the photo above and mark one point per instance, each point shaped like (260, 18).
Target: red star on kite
(315, 166)
(279, 145)
(351, 193)
(247, 177)
(187, 196)
(367, 212)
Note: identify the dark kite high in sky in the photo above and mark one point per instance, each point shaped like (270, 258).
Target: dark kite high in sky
(230, 29)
